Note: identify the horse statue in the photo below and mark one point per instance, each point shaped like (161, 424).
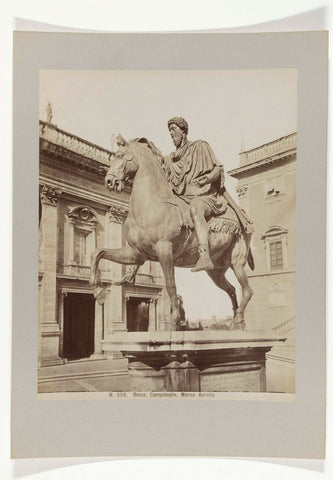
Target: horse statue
(155, 231)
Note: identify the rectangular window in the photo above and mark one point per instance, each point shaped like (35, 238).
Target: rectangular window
(80, 247)
(276, 255)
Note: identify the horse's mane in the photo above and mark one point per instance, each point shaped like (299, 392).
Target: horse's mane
(157, 154)
(152, 147)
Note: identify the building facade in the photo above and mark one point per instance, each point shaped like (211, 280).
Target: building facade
(267, 191)
(77, 215)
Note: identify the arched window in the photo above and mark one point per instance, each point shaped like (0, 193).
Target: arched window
(82, 234)
(275, 239)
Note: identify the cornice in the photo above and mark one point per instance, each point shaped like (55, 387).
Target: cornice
(270, 149)
(263, 164)
(84, 193)
(69, 153)
(63, 159)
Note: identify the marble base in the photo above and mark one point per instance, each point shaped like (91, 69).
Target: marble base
(144, 378)
(198, 361)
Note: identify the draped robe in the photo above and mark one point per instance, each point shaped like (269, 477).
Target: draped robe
(189, 162)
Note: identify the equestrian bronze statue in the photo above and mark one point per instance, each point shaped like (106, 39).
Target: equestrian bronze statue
(176, 220)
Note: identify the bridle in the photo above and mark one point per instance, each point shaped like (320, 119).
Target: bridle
(119, 175)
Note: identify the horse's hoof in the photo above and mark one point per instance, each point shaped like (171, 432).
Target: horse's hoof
(240, 325)
(100, 295)
(229, 324)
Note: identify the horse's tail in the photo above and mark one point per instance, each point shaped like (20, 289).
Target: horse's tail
(250, 259)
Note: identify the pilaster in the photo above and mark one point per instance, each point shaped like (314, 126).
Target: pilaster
(152, 326)
(114, 239)
(113, 311)
(99, 320)
(48, 324)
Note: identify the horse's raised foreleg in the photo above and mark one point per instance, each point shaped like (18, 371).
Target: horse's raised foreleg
(125, 255)
(165, 257)
(238, 262)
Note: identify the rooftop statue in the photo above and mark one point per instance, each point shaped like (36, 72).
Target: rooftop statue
(49, 113)
(179, 215)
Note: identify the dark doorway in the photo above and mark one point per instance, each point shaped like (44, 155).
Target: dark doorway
(137, 311)
(79, 325)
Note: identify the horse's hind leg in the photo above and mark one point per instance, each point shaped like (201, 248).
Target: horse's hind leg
(218, 277)
(238, 262)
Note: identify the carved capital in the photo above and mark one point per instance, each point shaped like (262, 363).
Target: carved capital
(49, 195)
(242, 191)
(117, 214)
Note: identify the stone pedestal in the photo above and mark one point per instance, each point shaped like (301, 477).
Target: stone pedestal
(203, 361)
(144, 378)
(182, 376)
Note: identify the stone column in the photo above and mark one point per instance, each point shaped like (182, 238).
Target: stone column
(164, 312)
(40, 281)
(113, 307)
(98, 328)
(159, 313)
(61, 299)
(152, 327)
(48, 325)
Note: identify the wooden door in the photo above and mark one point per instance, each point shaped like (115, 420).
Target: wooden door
(79, 325)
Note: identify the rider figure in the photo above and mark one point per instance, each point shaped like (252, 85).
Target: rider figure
(197, 177)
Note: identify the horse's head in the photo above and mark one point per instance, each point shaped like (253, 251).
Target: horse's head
(128, 158)
(122, 166)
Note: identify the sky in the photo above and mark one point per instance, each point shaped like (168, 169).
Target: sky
(230, 109)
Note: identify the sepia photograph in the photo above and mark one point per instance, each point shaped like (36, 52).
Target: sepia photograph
(169, 256)
(167, 233)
